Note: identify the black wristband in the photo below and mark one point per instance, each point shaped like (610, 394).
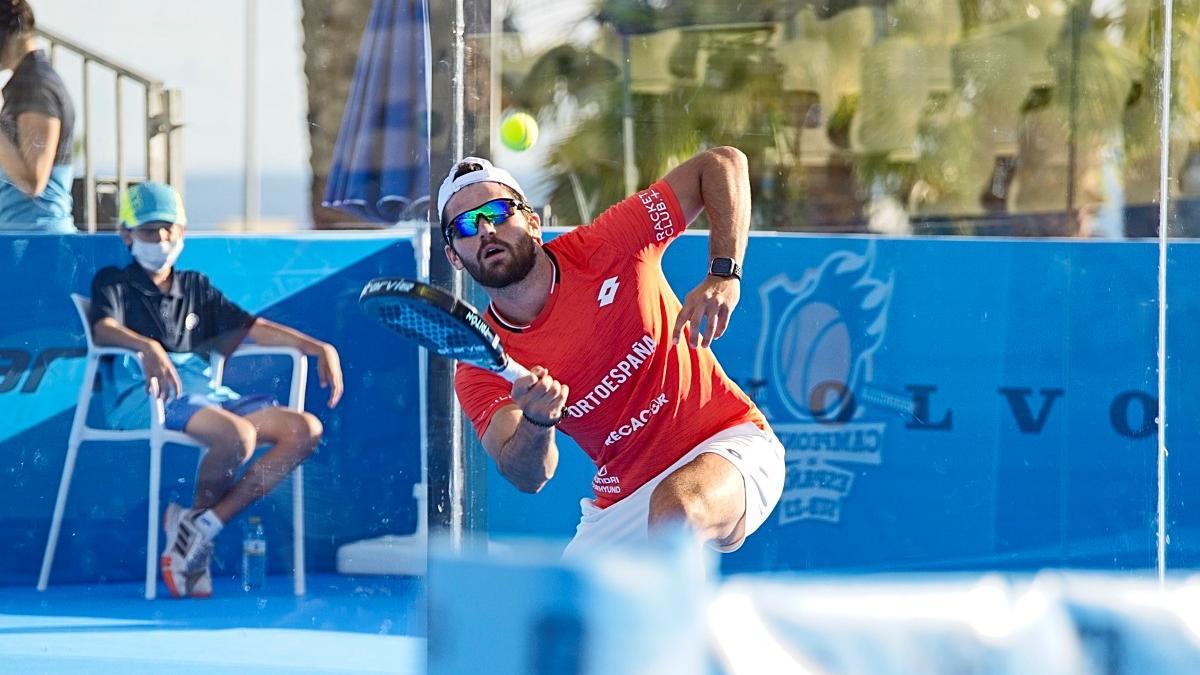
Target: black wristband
(537, 423)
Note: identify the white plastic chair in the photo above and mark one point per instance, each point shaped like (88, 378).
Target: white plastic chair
(157, 436)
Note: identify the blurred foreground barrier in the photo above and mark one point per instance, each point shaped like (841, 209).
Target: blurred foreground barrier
(1050, 624)
(522, 611)
(1131, 626)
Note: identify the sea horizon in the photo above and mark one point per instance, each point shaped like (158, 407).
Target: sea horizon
(215, 197)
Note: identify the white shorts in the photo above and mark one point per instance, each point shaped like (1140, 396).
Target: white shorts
(758, 456)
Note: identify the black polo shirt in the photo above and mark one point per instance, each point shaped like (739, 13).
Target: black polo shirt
(192, 317)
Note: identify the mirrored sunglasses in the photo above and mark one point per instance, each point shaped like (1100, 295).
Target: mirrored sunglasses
(496, 211)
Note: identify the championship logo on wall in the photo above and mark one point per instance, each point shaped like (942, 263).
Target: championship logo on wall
(814, 361)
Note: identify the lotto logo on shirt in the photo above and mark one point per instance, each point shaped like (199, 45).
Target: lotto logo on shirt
(656, 209)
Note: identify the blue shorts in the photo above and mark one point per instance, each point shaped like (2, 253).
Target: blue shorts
(180, 410)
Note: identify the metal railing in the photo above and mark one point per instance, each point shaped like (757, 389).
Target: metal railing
(163, 139)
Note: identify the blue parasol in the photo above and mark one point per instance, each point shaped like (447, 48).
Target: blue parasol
(380, 168)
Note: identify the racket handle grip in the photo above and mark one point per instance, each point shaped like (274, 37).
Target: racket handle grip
(512, 370)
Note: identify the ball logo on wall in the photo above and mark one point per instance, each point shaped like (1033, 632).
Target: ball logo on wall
(814, 358)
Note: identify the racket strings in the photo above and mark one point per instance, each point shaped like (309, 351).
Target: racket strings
(428, 327)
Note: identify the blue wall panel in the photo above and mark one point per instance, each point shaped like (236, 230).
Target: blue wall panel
(999, 414)
(1183, 405)
(358, 485)
(1001, 408)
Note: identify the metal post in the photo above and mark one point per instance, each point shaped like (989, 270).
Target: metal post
(1078, 16)
(155, 145)
(250, 207)
(1164, 203)
(481, 77)
(631, 173)
(447, 482)
(122, 181)
(173, 138)
(89, 165)
(480, 114)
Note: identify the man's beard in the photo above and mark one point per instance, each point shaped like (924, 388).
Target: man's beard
(522, 257)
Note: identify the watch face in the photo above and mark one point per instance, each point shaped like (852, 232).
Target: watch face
(722, 267)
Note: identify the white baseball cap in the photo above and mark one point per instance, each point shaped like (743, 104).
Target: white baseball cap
(486, 173)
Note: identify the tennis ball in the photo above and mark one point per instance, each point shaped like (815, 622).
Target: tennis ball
(519, 131)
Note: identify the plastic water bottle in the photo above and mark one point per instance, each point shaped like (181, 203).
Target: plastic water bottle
(254, 555)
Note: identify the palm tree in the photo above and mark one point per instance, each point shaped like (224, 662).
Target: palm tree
(733, 100)
(332, 32)
(776, 77)
(1028, 77)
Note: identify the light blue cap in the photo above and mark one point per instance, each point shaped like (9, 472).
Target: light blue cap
(151, 202)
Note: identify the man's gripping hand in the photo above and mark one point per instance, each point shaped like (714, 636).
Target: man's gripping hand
(709, 304)
(541, 398)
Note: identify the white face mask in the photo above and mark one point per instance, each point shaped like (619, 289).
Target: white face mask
(156, 256)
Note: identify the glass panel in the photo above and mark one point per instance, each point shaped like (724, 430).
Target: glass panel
(338, 551)
(945, 402)
(948, 310)
(906, 117)
(1184, 190)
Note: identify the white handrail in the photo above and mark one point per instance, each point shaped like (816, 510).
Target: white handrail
(161, 137)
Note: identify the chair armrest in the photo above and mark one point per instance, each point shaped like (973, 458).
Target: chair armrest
(116, 351)
(121, 351)
(299, 368)
(264, 350)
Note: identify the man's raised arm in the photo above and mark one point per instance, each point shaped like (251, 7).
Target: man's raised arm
(716, 181)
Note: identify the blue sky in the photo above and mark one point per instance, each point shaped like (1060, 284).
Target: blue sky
(198, 47)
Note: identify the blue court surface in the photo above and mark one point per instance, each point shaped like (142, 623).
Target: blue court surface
(344, 625)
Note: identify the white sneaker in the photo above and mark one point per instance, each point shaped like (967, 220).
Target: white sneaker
(184, 555)
(199, 585)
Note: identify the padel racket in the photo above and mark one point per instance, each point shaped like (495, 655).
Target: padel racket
(439, 322)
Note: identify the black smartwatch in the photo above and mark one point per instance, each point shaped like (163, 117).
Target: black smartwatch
(725, 267)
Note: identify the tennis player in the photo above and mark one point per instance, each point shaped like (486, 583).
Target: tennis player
(175, 319)
(616, 361)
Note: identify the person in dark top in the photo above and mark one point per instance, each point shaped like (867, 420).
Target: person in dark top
(37, 122)
(175, 320)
